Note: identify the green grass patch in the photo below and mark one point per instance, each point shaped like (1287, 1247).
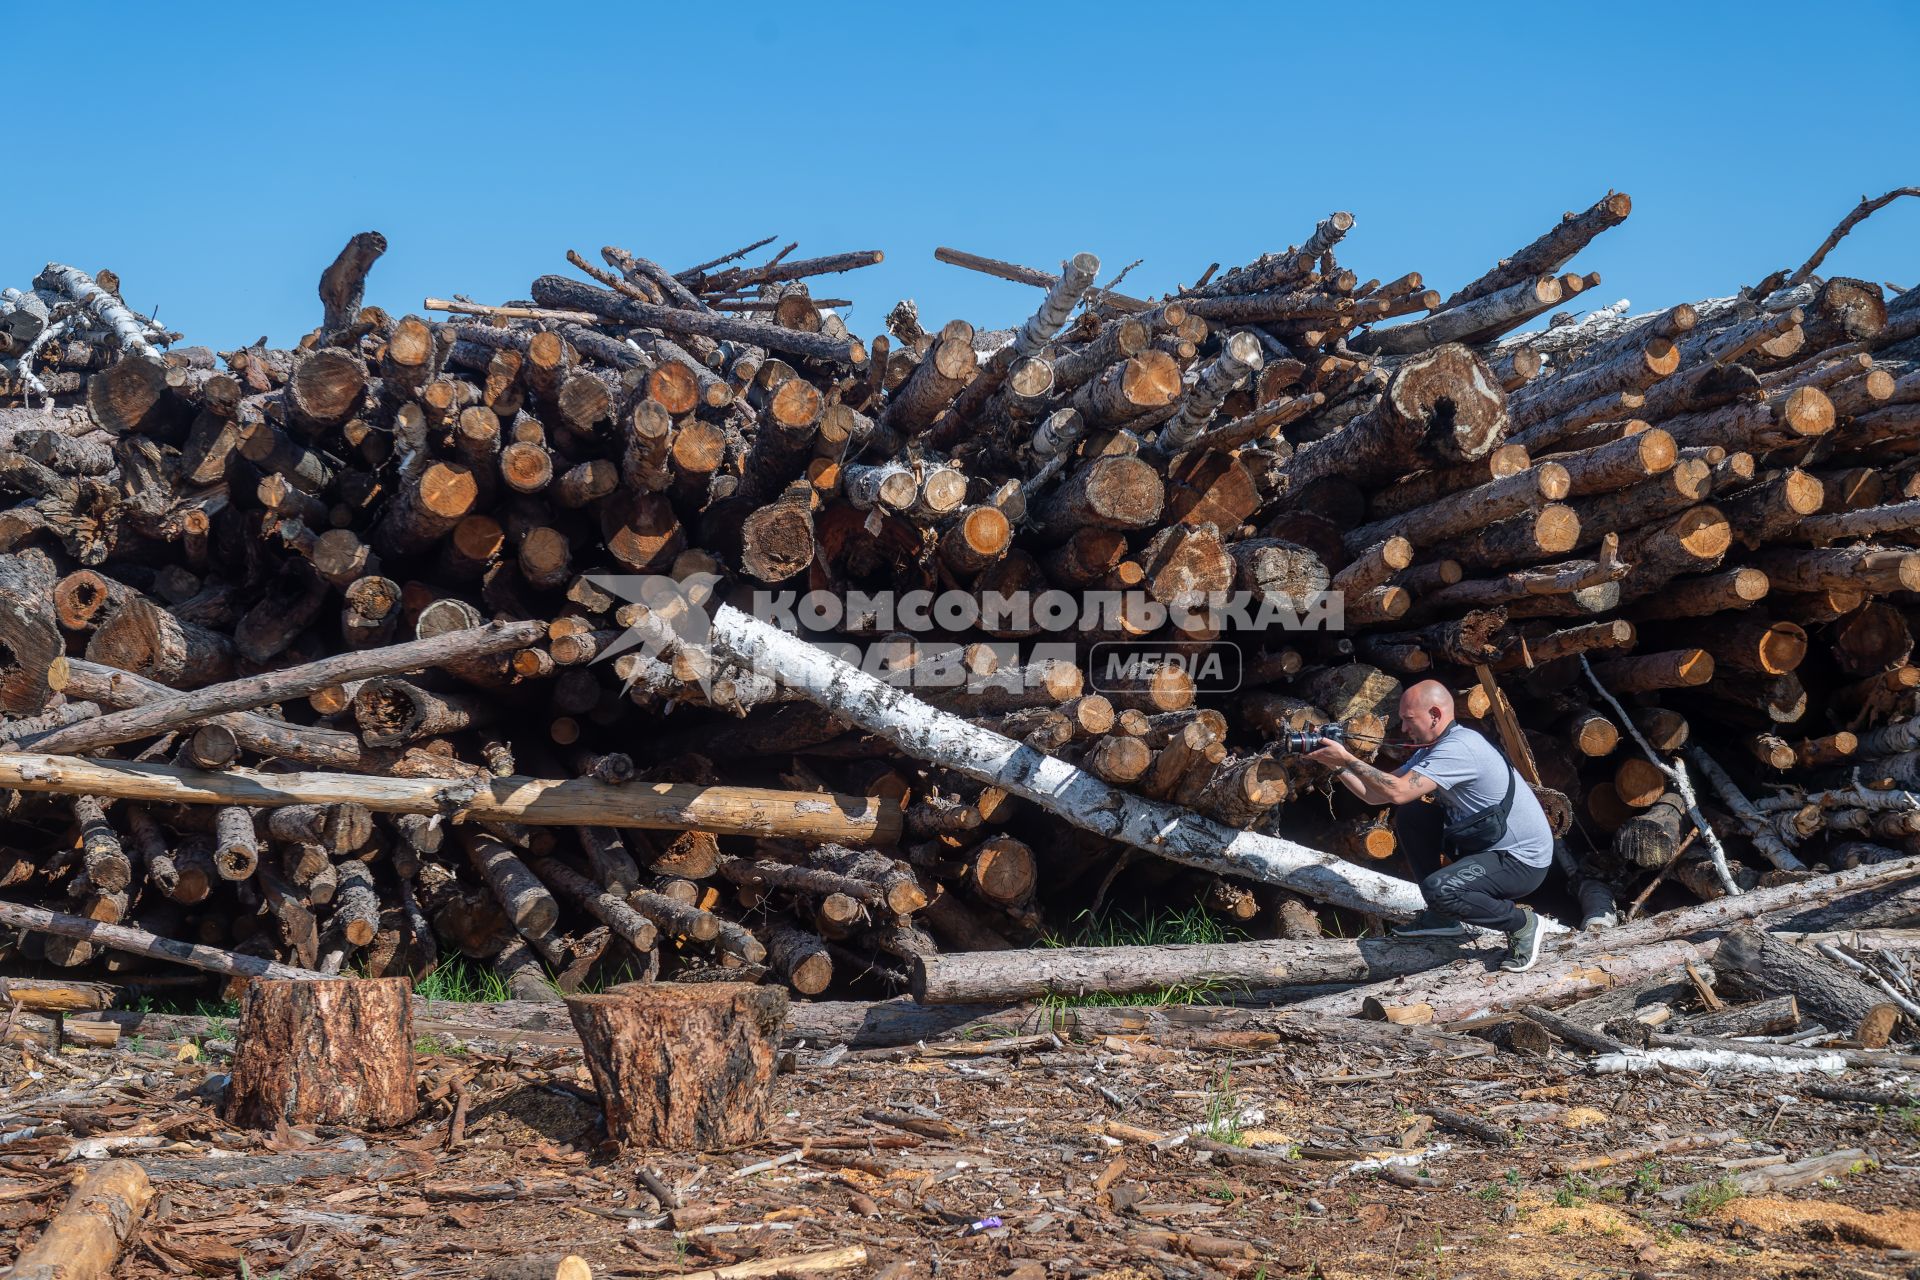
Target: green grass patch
(189, 1006)
(1708, 1196)
(1574, 1192)
(1145, 928)
(427, 1046)
(1223, 1111)
(462, 981)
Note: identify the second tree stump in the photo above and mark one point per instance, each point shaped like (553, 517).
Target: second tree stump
(682, 1067)
(324, 1053)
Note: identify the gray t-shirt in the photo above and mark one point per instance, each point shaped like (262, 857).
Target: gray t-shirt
(1469, 775)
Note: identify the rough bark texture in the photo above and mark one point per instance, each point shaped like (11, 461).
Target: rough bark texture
(324, 1053)
(682, 1067)
(85, 1238)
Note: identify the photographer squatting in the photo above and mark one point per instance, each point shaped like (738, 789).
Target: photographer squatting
(1487, 820)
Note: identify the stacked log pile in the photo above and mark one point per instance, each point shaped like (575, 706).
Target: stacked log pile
(1664, 559)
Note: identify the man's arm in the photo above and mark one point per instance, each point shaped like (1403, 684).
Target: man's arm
(1371, 783)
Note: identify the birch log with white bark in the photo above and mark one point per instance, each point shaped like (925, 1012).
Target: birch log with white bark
(929, 734)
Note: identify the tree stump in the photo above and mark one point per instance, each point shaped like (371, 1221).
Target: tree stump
(324, 1053)
(682, 1067)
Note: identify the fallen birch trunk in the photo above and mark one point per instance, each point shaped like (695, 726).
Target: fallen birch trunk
(1757, 1062)
(1587, 964)
(940, 738)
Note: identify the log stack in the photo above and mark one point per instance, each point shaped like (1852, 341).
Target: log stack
(1664, 559)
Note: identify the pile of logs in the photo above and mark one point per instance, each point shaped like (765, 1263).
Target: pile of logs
(288, 633)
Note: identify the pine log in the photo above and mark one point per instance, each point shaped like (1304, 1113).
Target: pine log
(1767, 512)
(1553, 249)
(1425, 487)
(1871, 569)
(147, 640)
(1535, 535)
(568, 802)
(966, 977)
(1479, 319)
(1527, 490)
(84, 1239)
(1696, 597)
(1767, 967)
(1675, 669)
(1440, 407)
(528, 904)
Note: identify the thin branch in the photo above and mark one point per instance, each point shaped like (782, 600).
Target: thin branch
(1676, 773)
(1861, 213)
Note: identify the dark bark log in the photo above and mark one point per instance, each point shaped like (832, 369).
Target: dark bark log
(561, 292)
(1440, 407)
(343, 284)
(1552, 250)
(1768, 967)
(253, 691)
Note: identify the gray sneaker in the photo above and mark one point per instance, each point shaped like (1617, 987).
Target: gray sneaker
(1523, 944)
(1429, 925)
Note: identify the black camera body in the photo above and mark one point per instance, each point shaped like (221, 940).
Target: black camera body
(1300, 741)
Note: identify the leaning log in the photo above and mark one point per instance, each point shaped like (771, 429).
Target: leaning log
(1082, 799)
(292, 682)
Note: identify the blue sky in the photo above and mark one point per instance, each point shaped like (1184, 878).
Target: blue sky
(217, 156)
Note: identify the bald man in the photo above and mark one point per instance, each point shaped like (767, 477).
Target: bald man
(1467, 777)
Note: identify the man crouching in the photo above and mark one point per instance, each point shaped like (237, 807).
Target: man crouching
(1487, 820)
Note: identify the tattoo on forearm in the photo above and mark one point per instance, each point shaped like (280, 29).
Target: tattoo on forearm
(1376, 779)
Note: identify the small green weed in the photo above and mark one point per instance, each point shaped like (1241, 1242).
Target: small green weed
(1708, 1196)
(1223, 1111)
(196, 1007)
(426, 1046)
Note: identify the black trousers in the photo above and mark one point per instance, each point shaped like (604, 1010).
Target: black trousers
(1478, 889)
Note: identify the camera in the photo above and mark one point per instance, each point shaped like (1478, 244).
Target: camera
(1300, 741)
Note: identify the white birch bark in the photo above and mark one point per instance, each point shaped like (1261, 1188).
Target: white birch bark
(1076, 277)
(1641, 1060)
(127, 328)
(1239, 359)
(1082, 799)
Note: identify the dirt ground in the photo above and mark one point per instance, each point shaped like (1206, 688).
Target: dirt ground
(1027, 1157)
